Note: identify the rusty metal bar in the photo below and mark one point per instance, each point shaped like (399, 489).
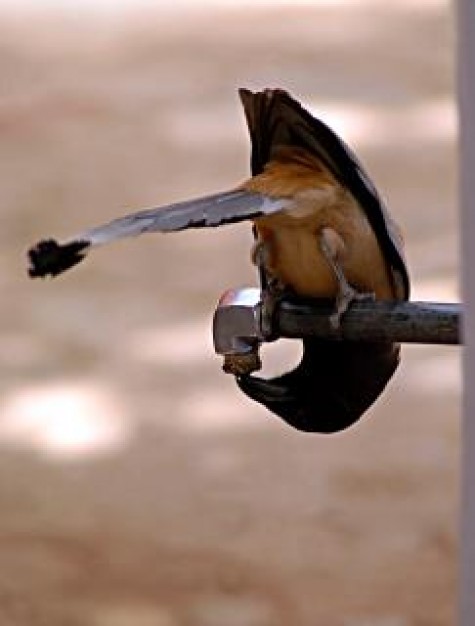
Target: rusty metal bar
(404, 322)
(241, 319)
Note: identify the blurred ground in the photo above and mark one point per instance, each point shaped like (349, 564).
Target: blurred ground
(137, 486)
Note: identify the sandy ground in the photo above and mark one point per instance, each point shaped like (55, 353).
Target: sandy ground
(137, 486)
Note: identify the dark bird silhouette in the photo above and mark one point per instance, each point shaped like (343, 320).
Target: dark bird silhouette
(321, 230)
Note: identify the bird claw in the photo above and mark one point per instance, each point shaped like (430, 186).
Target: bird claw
(271, 297)
(345, 297)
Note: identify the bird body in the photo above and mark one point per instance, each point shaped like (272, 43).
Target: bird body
(291, 235)
(335, 238)
(322, 231)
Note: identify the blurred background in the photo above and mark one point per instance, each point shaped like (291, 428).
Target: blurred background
(137, 485)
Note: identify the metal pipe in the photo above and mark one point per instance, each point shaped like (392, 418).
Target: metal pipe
(402, 322)
(241, 318)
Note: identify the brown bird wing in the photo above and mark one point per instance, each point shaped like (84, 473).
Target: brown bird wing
(335, 382)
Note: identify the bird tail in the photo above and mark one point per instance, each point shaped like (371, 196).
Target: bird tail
(50, 257)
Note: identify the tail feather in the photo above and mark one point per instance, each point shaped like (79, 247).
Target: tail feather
(49, 257)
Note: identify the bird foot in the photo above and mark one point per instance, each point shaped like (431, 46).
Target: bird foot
(345, 297)
(271, 297)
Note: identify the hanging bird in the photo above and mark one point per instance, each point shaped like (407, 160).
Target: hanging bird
(321, 231)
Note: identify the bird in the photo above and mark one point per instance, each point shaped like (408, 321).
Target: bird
(321, 230)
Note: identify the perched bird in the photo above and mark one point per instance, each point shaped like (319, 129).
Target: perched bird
(321, 231)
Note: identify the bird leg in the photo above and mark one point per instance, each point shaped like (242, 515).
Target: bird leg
(245, 364)
(272, 290)
(332, 246)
